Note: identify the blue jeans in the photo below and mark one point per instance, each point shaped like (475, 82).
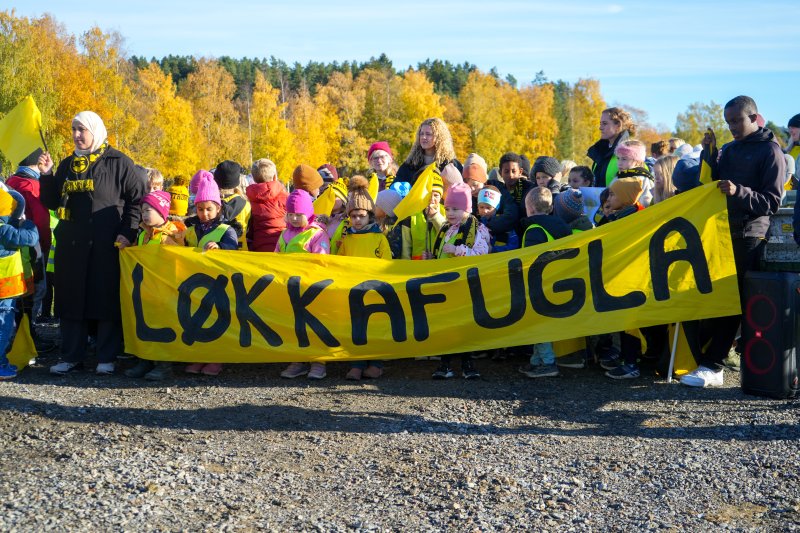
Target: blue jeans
(543, 354)
(7, 321)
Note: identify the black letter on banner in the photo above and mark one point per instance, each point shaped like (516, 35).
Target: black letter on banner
(245, 313)
(192, 324)
(360, 313)
(661, 260)
(602, 300)
(517, 290)
(576, 286)
(418, 301)
(303, 318)
(143, 331)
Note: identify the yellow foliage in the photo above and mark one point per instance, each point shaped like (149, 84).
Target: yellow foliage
(315, 126)
(271, 136)
(491, 126)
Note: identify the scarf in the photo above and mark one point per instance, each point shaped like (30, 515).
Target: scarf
(81, 183)
(27, 172)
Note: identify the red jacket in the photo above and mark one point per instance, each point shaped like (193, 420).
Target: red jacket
(34, 209)
(267, 219)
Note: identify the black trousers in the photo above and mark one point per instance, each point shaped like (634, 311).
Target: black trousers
(75, 333)
(719, 333)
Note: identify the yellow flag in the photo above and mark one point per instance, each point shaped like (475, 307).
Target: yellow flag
(20, 131)
(373, 187)
(323, 205)
(705, 165)
(419, 197)
(23, 349)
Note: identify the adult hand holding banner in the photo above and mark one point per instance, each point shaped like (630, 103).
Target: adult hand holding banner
(670, 262)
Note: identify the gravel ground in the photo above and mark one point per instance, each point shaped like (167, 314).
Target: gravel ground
(247, 451)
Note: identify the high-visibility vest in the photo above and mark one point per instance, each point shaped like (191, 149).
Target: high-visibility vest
(215, 235)
(550, 238)
(27, 269)
(242, 218)
(12, 276)
(420, 238)
(51, 255)
(143, 234)
(298, 243)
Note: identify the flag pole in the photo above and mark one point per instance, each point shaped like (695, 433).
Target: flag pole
(43, 141)
(674, 350)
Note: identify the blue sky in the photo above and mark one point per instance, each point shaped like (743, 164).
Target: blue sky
(659, 57)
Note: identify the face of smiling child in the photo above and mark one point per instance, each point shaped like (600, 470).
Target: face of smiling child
(455, 216)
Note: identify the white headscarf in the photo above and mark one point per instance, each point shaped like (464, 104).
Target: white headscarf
(92, 122)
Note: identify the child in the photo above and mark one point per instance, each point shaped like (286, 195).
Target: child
(207, 232)
(541, 227)
(155, 181)
(363, 238)
(419, 231)
(156, 229)
(568, 206)
(623, 199)
(506, 215)
(13, 236)
(385, 203)
(302, 235)
(489, 200)
(547, 173)
(630, 162)
(515, 183)
(307, 179)
(580, 177)
(382, 164)
(462, 236)
(662, 171)
(235, 207)
(267, 198)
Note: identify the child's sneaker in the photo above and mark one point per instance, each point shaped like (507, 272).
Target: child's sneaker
(104, 369)
(540, 371)
(295, 370)
(443, 372)
(140, 369)
(703, 377)
(610, 360)
(212, 369)
(573, 360)
(469, 371)
(624, 372)
(317, 371)
(161, 371)
(64, 367)
(194, 368)
(7, 371)
(373, 372)
(354, 374)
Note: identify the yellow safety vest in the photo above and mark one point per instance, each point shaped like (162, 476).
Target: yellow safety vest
(12, 276)
(215, 235)
(550, 238)
(298, 242)
(338, 235)
(242, 218)
(143, 234)
(51, 256)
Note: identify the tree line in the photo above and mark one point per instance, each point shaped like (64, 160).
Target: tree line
(182, 113)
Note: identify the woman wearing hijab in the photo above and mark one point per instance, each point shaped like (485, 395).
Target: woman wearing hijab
(95, 193)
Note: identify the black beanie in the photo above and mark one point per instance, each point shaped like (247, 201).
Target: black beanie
(227, 174)
(549, 165)
(525, 165)
(794, 122)
(32, 160)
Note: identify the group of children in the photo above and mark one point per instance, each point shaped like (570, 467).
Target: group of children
(471, 212)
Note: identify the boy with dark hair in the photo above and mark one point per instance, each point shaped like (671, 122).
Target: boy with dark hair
(515, 183)
(750, 171)
(580, 177)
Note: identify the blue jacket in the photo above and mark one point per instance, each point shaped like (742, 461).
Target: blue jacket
(14, 235)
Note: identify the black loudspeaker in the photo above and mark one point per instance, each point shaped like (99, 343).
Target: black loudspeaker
(770, 328)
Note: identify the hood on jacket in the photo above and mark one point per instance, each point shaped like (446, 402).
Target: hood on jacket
(264, 192)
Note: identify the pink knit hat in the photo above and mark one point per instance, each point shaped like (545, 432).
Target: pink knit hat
(207, 190)
(459, 196)
(636, 152)
(196, 179)
(300, 202)
(158, 200)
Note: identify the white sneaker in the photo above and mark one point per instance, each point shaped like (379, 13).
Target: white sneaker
(703, 377)
(63, 367)
(104, 369)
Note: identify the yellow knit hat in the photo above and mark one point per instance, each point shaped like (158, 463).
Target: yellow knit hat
(7, 204)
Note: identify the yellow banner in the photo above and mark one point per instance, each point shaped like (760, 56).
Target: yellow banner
(669, 263)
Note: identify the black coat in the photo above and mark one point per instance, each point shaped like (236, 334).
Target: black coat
(86, 260)
(601, 153)
(556, 227)
(408, 172)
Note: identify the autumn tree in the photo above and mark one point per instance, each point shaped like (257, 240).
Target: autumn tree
(536, 127)
(692, 125)
(577, 111)
(315, 126)
(168, 138)
(454, 117)
(347, 99)
(210, 90)
(418, 102)
(271, 136)
(489, 122)
(381, 118)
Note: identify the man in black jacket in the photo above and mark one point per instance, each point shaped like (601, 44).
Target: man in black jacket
(750, 171)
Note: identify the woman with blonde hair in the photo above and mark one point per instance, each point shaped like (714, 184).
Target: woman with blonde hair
(662, 172)
(616, 126)
(433, 144)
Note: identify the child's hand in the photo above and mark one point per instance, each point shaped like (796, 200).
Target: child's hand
(211, 246)
(449, 248)
(122, 242)
(427, 255)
